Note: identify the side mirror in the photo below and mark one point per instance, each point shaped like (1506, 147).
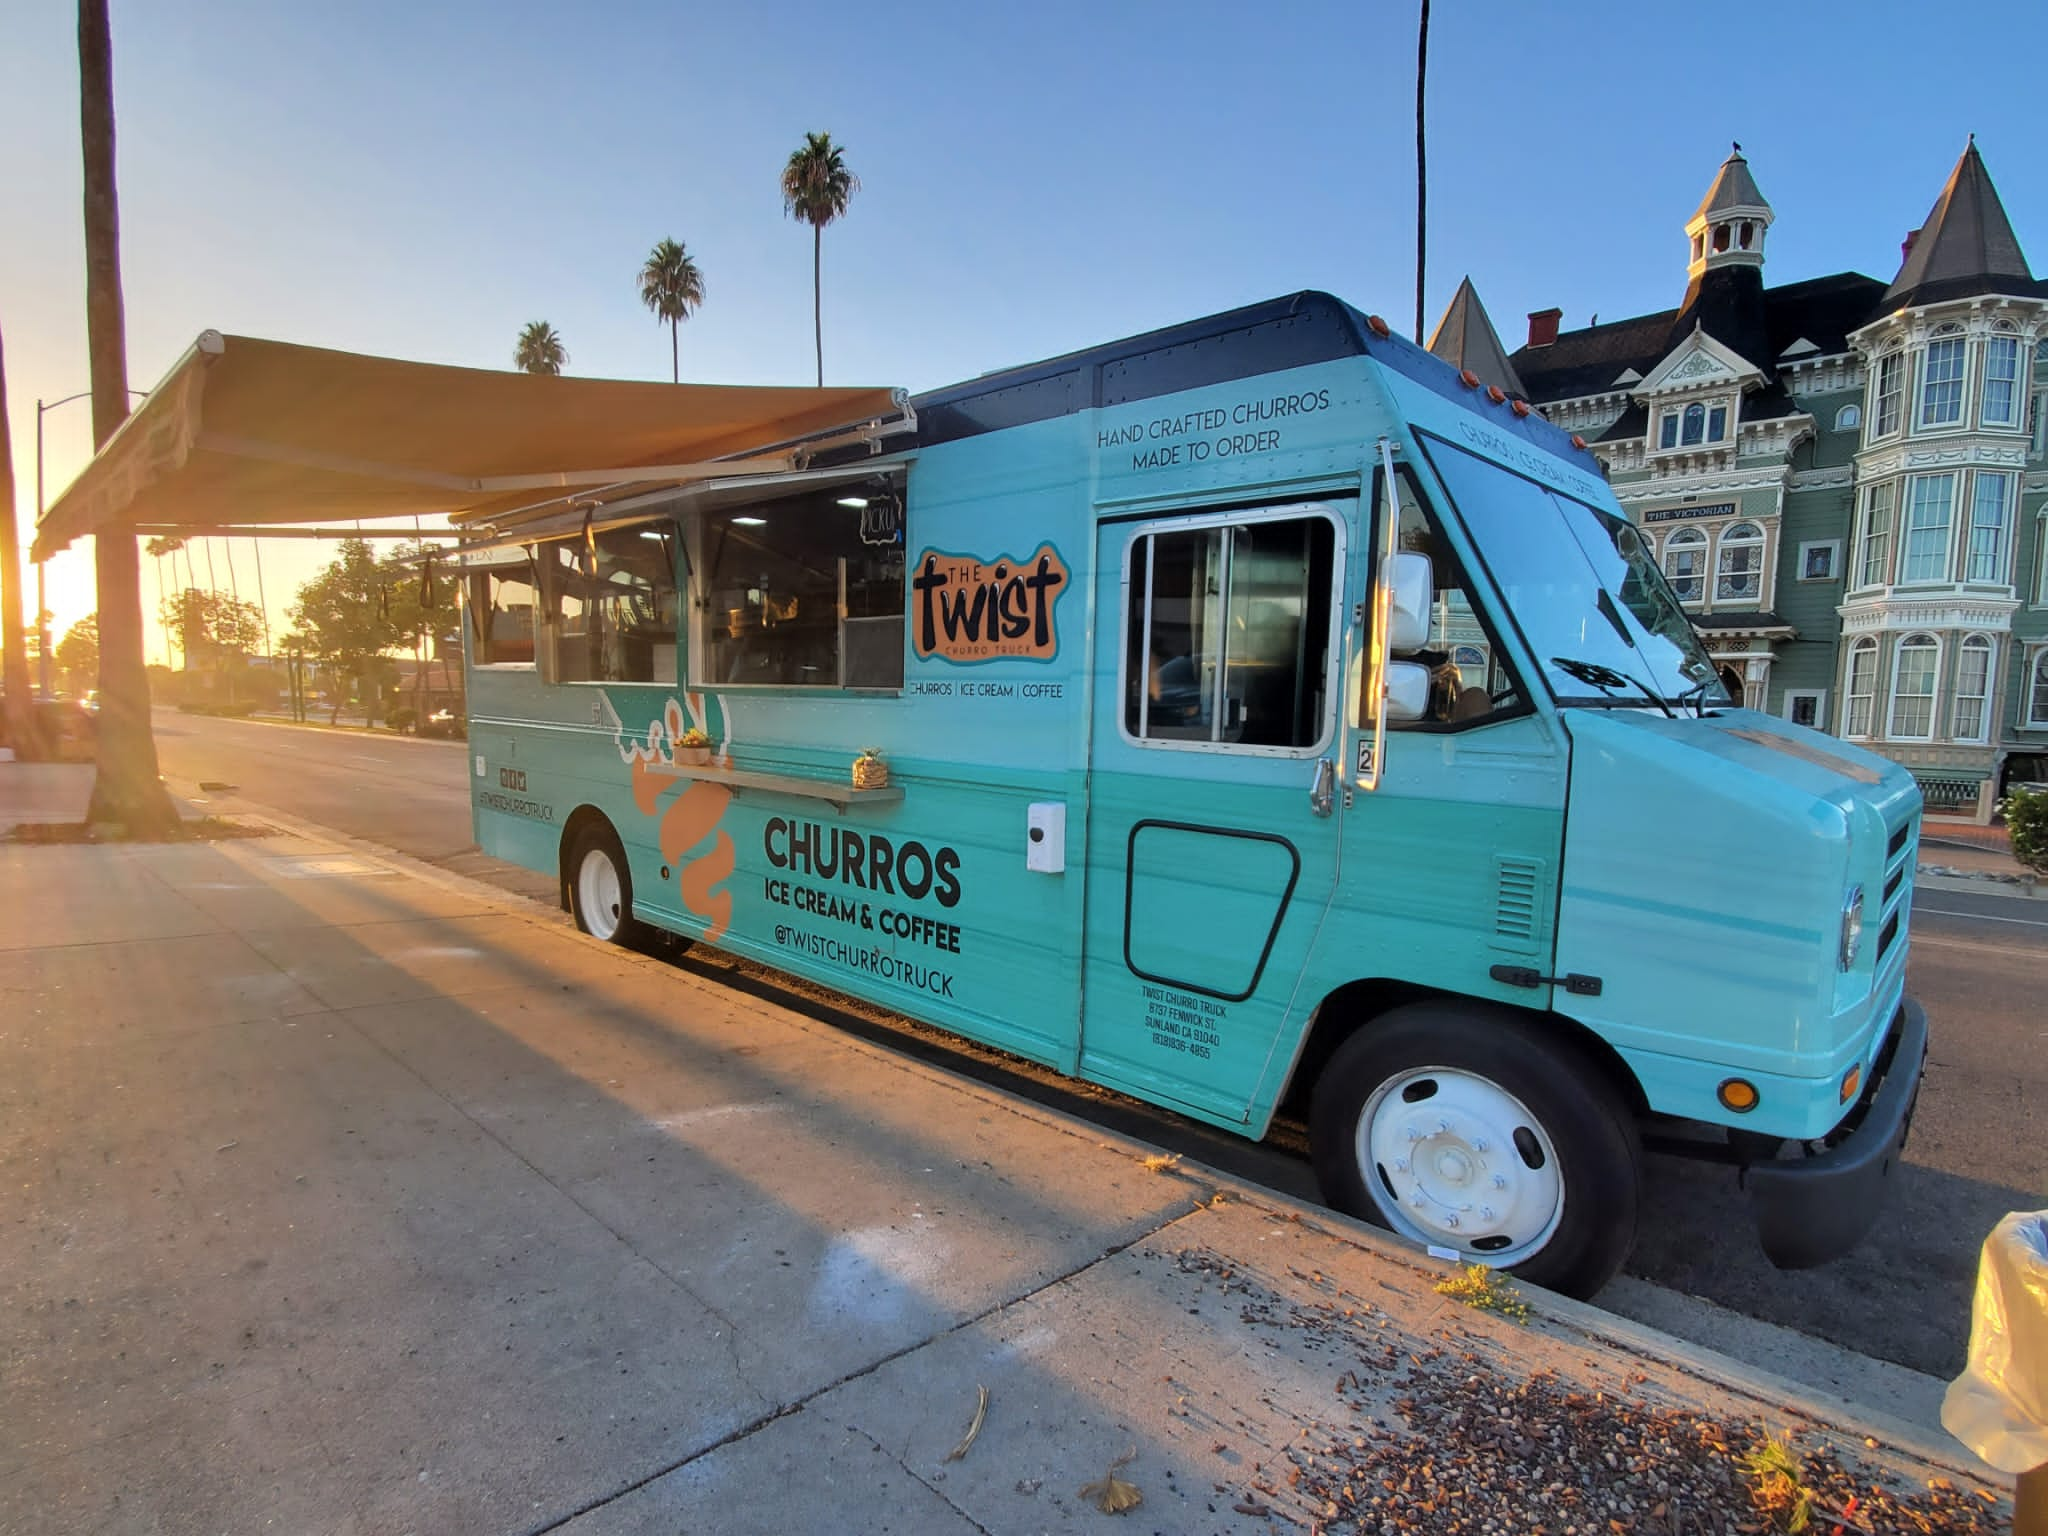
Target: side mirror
(1407, 689)
(1410, 593)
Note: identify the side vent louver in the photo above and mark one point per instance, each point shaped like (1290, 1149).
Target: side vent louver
(1515, 918)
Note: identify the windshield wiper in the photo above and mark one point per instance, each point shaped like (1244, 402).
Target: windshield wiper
(1607, 680)
(1696, 696)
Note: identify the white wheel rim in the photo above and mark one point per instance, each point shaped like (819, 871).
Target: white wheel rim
(599, 896)
(1456, 1161)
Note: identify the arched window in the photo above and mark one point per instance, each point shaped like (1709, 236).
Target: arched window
(1699, 245)
(2037, 690)
(1969, 717)
(1887, 389)
(1849, 418)
(1695, 425)
(1747, 236)
(2002, 377)
(1741, 571)
(1941, 378)
(1721, 237)
(1685, 564)
(1915, 665)
(1861, 687)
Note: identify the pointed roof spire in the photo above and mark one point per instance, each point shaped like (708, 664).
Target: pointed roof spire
(1733, 188)
(1465, 338)
(1965, 245)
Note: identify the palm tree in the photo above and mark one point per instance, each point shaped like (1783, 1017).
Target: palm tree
(816, 187)
(540, 349)
(671, 286)
(125, 788)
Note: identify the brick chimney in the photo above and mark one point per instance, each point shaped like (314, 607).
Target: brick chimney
(1543, 326)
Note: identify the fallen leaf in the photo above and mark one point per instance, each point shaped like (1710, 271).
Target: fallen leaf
(973, 1429)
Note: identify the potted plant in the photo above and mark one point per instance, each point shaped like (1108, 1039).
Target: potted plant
(870, 771)
(693, 748)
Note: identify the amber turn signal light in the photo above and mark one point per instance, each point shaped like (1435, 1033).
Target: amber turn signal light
(1737, 1095)
(1851, 1081)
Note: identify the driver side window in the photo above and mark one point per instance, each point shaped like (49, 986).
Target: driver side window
(1469, 681)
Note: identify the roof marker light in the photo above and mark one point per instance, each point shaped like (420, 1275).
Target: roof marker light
(1495, 393)
(1468, 378)
(1520, 407)
(1379, 326)
(1578, 441)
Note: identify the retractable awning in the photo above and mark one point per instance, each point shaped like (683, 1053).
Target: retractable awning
(248, 433)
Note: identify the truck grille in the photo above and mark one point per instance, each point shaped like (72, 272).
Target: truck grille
(1901, 849)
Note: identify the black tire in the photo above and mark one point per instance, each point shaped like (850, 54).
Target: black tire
(1569, 1103)
(615, 924)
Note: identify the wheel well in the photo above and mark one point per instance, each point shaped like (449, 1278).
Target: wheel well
(573, 829)
(1356, 1004)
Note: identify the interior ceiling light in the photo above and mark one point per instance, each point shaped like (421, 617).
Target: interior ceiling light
(856, 502)
(750, 522)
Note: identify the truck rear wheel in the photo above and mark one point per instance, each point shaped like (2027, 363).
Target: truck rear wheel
(601, 887)
(1465, 1128)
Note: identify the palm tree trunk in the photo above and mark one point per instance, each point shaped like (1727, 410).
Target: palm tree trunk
(20, 729)
(675, 355)
(818, 296)
(125, 789)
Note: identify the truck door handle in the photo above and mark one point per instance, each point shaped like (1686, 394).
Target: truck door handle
(1322, 793)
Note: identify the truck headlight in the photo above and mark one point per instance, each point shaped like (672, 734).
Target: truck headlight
(1852, 928)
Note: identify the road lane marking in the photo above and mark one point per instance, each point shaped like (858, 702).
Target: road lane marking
(1980, 917)
(2002, 951)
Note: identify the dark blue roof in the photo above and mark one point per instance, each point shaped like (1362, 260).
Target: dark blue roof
(1291, 332)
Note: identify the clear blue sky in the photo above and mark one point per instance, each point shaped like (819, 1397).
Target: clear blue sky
(421, 179)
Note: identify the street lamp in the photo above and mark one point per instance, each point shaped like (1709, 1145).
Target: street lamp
(42, 608)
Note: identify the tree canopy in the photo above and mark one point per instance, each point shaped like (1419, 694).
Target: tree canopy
(818, 187)
(539, 349)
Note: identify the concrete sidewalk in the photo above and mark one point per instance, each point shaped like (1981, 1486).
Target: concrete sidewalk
(340, 1196)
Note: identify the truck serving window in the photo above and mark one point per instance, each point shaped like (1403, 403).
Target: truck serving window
(504, 602)
(803, 591)
(614, 613)
(1227, 642)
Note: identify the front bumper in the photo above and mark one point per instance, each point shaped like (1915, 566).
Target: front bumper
(1814, 1209)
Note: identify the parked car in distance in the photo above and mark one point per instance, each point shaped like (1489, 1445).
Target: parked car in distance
(445, 723)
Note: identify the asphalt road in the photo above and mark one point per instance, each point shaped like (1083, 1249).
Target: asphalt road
(1980, 1138)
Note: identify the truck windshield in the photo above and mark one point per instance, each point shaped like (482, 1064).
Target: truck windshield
(1581, 584)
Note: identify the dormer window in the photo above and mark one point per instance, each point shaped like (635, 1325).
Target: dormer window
(2002, 380)
(1667, 430)
(1695, 425)
(1941, 379)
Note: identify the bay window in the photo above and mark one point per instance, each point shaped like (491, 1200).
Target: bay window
(2002, 381)
(1873, 555)
(1973, 688)
(1941, 379)
(1889, 389)
(1862, 687)
(1986, 559)
(1915, 664)
(1930, 508)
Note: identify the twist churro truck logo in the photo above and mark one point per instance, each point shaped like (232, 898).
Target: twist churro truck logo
(967, 609)
(693, 816)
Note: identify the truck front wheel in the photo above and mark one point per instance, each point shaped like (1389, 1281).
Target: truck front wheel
(1465, 1128)
(601, 887)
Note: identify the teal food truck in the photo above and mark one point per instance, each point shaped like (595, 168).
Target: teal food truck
(1255, 713)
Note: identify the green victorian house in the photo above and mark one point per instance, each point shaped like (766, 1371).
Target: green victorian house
(1846, 480)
